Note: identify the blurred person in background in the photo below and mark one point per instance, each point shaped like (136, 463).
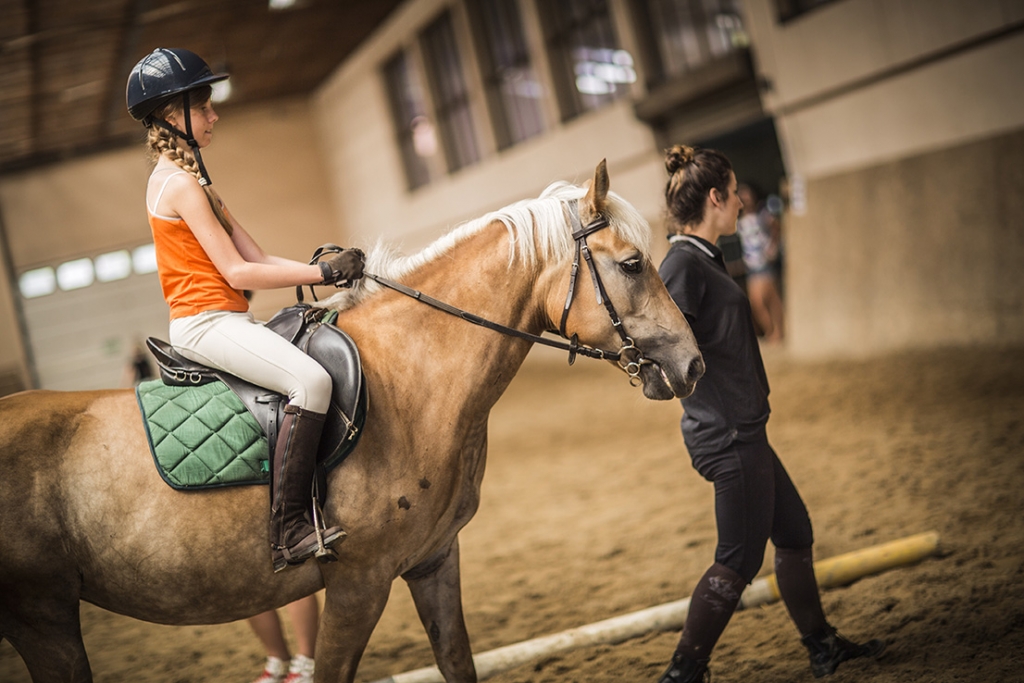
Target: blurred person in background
(758, 230)
(139, 368)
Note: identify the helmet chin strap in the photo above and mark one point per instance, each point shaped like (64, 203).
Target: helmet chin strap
(188, 137)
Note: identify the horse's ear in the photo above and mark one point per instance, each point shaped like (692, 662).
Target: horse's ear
(597, 194)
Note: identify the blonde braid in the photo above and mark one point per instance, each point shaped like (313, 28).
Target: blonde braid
(163, 142)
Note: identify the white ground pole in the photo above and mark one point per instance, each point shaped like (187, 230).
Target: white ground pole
(832, 572)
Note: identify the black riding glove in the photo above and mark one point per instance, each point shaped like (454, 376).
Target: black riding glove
(343, 268)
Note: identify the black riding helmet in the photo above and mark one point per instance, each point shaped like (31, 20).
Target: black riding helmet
(159, 77)
(162, 74)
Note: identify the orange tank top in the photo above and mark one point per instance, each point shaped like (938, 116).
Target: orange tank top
(190, 282)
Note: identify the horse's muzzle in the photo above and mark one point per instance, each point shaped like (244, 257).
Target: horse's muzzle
(663, 382)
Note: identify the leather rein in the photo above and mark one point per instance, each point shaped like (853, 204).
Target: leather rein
(629, 358)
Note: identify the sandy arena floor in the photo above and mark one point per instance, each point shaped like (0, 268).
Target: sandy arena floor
(591, 510)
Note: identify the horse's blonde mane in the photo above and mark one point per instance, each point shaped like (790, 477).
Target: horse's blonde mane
(537, 230)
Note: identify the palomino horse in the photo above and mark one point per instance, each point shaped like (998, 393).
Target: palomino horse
(85, 516)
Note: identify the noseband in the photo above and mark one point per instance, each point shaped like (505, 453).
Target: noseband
(628, 357)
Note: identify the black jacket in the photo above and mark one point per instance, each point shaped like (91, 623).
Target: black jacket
(731, 400)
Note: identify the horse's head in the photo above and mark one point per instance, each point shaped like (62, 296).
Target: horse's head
(605, 246)
(665, 358)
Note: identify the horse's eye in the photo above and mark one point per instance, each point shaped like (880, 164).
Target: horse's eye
(632, 266)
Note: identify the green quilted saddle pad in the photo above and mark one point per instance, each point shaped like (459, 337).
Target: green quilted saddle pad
(202, 436)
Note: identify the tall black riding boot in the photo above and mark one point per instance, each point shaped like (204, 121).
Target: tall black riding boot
(828, 650)
(293, 537)
(711, 606)
(683, 670)
(798, 587)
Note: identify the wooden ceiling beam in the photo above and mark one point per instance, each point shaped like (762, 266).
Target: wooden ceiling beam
(125, 57)
(35, 97)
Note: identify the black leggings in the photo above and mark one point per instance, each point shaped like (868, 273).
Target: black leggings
(754, 500)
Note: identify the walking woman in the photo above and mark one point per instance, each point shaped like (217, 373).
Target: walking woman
(205, 260)
(723, 427)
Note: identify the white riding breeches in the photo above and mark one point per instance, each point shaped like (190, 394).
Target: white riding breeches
(236, 343)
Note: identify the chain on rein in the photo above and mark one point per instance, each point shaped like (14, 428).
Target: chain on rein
(629, 358)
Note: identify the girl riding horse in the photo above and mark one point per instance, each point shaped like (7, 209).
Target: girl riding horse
(205, 260)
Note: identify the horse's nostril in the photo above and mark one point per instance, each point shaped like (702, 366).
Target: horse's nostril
(696, 369)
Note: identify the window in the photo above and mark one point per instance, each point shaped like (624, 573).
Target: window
(589, 68)
(687, 34)
(512, 89)
(82, 272)
(451, 96)
(417, 138)
(144, 259)
(37, 282)
(75, 274)
(793, 8)
(115, 265)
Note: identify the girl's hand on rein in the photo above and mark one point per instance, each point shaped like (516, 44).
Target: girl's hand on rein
(344, 267)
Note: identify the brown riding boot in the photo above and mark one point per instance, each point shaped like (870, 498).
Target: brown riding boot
(293, 537)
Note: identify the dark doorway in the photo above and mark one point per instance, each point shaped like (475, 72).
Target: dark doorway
(757, 160)
(754, 153)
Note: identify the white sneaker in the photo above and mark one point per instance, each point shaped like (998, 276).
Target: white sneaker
(300, 670)
(274, 671)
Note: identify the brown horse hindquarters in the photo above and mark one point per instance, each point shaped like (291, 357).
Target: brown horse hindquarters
(87, 505)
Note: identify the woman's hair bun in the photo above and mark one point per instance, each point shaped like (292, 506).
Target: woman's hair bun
(677, 157)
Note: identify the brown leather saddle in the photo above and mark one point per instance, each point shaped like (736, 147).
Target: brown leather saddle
(312, 330)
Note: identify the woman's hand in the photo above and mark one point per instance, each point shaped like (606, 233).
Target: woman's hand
(343, 268)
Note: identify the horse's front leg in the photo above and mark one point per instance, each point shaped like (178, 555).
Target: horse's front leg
(352, 608)
(437, 592)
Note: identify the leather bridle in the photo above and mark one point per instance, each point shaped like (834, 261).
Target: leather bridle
(629, 358)
(579, 234)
